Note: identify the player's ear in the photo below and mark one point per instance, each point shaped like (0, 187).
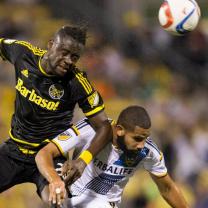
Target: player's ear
(120, 130)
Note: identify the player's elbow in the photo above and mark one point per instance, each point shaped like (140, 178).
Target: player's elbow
(48, 152)
(39, 156)
(43, 155)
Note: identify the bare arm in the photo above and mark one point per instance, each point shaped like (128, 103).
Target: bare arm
(75, 168)
(103, 133)
(170, 192)
(44, 161)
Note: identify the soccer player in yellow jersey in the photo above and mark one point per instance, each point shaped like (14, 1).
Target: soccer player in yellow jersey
(48, 86)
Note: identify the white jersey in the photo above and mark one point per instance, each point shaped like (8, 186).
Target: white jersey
(109, 172)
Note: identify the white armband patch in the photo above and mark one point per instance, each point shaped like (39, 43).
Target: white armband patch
(66, 140)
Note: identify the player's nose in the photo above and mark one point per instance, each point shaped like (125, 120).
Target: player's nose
(67, 60)
(140, 145)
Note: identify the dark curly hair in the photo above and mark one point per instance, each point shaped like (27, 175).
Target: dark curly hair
(134, 116)
(78, 33)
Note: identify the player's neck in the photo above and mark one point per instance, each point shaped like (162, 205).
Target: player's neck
(44, 64)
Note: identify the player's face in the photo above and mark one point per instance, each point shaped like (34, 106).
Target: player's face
(63, 54)
(132, 141)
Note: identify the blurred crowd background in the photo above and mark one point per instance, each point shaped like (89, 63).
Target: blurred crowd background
(130, 60)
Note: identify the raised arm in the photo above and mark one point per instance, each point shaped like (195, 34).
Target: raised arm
(64, 142)
(103, 135)
(13, 50)
(170, 191)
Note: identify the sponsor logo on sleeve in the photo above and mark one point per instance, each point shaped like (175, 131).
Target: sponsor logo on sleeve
(93, 99)
(64, 136)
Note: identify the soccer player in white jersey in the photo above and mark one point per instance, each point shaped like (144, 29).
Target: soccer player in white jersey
(106, 175)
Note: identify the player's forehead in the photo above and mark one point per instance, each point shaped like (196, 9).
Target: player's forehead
(68, 43)
(140, 132)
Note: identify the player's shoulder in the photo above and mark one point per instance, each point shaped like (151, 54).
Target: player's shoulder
(30, 47)
(12, 49)
(84, 125)
(154, 150)
(81, 81)
(79, 73)
(23, 45)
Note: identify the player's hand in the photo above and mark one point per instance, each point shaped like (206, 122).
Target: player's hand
(72, 170)
(57, 192)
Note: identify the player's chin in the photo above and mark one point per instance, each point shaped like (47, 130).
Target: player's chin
(132, 152)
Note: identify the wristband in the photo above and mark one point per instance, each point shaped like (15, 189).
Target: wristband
(86, 156)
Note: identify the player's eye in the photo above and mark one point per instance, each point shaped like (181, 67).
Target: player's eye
(65, 53)
(139, 138)
(74, 58)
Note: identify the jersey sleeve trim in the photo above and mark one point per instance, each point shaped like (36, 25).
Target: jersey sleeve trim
(152, 144)
(161, 156)
(84, 82)
(59, 147)
(27, 143)
(27, 151)
(159, 174)
(21, 141)
(75, 129)
(94, 111)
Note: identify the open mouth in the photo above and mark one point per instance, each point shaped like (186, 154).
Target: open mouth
(63, 69)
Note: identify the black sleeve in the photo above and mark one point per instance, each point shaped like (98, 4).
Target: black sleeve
(10, 50)
(89, 99)
(92, 104)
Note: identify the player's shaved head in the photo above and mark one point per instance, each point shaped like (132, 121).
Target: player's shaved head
(75, 32)
(134, 116)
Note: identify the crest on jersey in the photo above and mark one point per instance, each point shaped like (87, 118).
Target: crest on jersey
(64, 136)
(56, 91)
(93, 99)
(129, 161)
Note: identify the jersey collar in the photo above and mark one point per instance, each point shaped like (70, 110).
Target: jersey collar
(42, 70)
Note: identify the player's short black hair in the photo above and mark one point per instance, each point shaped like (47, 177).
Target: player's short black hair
(78, 33)
(134, 116)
